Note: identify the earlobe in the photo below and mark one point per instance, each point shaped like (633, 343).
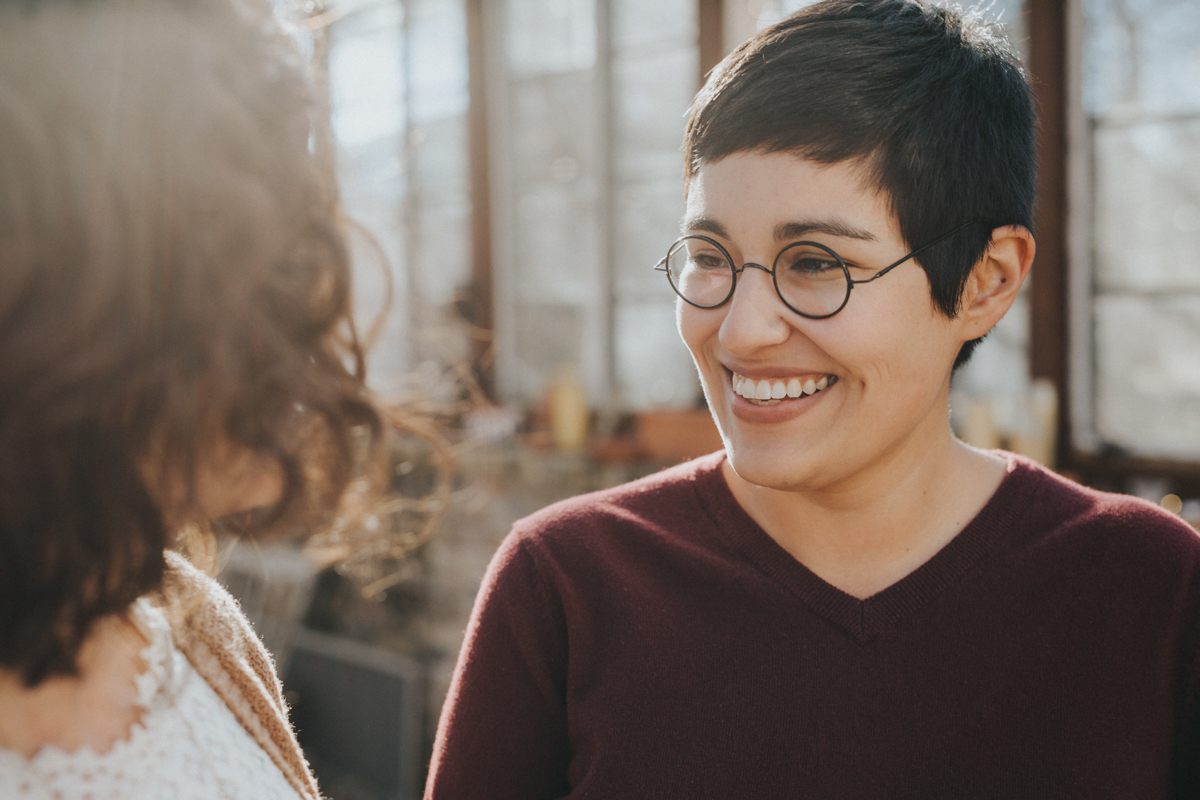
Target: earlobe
(997, 278)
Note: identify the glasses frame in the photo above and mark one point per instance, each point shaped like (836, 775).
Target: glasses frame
(661, 266)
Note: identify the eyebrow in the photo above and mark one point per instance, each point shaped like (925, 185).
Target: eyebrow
(834, 227)
(702, 224)
(784, 230)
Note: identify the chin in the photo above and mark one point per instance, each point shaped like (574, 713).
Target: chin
(779, 465)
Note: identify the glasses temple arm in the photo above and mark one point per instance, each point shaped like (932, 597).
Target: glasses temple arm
(916, 252)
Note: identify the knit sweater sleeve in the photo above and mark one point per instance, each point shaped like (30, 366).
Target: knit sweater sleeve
(503, 732)
(1187, 757)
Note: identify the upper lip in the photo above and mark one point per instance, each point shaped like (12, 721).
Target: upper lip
(768, 372)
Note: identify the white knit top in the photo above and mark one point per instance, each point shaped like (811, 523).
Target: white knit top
(188, 745)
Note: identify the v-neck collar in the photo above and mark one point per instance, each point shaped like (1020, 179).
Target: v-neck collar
(864, 620)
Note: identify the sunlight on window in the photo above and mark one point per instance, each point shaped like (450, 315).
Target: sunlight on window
(1141, 101)
(365, 77)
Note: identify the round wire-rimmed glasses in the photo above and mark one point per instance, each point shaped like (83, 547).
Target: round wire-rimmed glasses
(811, 279)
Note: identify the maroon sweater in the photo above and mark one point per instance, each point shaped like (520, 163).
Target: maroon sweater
(651, 641)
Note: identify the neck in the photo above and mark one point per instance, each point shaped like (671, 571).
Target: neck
(867, 531)
(95, 708)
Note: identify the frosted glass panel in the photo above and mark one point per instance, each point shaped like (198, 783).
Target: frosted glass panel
(556, 236)
(654, 366)
(1148, 373)
(369, 115)
(589, 171)
(651, 94)
(442, 250)
(437, 36)
(651, 26)
(365, 75)
(548, 36)
(1147, 212)
(550, 212)
(437, 158)
(647, 215)
(1141, 97)
(399, 96)
(557, 247)
(655, 74)
(547, 335)
(1143, 54)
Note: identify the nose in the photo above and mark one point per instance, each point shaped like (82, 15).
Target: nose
(756, 317)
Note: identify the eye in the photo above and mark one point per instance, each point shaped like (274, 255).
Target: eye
(707, 260)
(813, 264)
(806, 260)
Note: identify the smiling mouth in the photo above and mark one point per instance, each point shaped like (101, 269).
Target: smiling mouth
(772, 391)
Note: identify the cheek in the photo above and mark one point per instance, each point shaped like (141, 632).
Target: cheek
(904, 366)
(897, 328)
(696, 327)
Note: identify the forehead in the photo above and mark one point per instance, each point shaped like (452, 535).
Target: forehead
(749, 193)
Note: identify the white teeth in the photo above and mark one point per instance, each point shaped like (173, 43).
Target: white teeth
(771, 392)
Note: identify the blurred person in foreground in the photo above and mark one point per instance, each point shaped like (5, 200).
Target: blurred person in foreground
(848, 602)
(175, 348)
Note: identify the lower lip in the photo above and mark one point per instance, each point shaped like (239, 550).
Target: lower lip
(782, 411)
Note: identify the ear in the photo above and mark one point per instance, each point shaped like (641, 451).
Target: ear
(997, 277)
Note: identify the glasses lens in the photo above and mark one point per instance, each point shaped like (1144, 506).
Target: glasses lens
(699, 271)
(812, 279)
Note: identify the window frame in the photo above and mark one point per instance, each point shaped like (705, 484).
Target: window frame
(1061, 336)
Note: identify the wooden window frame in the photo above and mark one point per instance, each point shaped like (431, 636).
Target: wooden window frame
(1053, 331)
(480, 309)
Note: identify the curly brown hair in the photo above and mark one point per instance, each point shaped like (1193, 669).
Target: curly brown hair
(173, 268)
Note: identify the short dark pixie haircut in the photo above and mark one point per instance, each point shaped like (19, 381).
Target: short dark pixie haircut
(934, 105)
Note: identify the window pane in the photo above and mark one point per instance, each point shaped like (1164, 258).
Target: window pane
(587, 123)
(1147, 375)
(1141, 101)
(1141, 56)
(398, 96)
(1147, 212)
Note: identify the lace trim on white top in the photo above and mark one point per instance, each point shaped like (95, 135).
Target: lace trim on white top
(187, 746)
